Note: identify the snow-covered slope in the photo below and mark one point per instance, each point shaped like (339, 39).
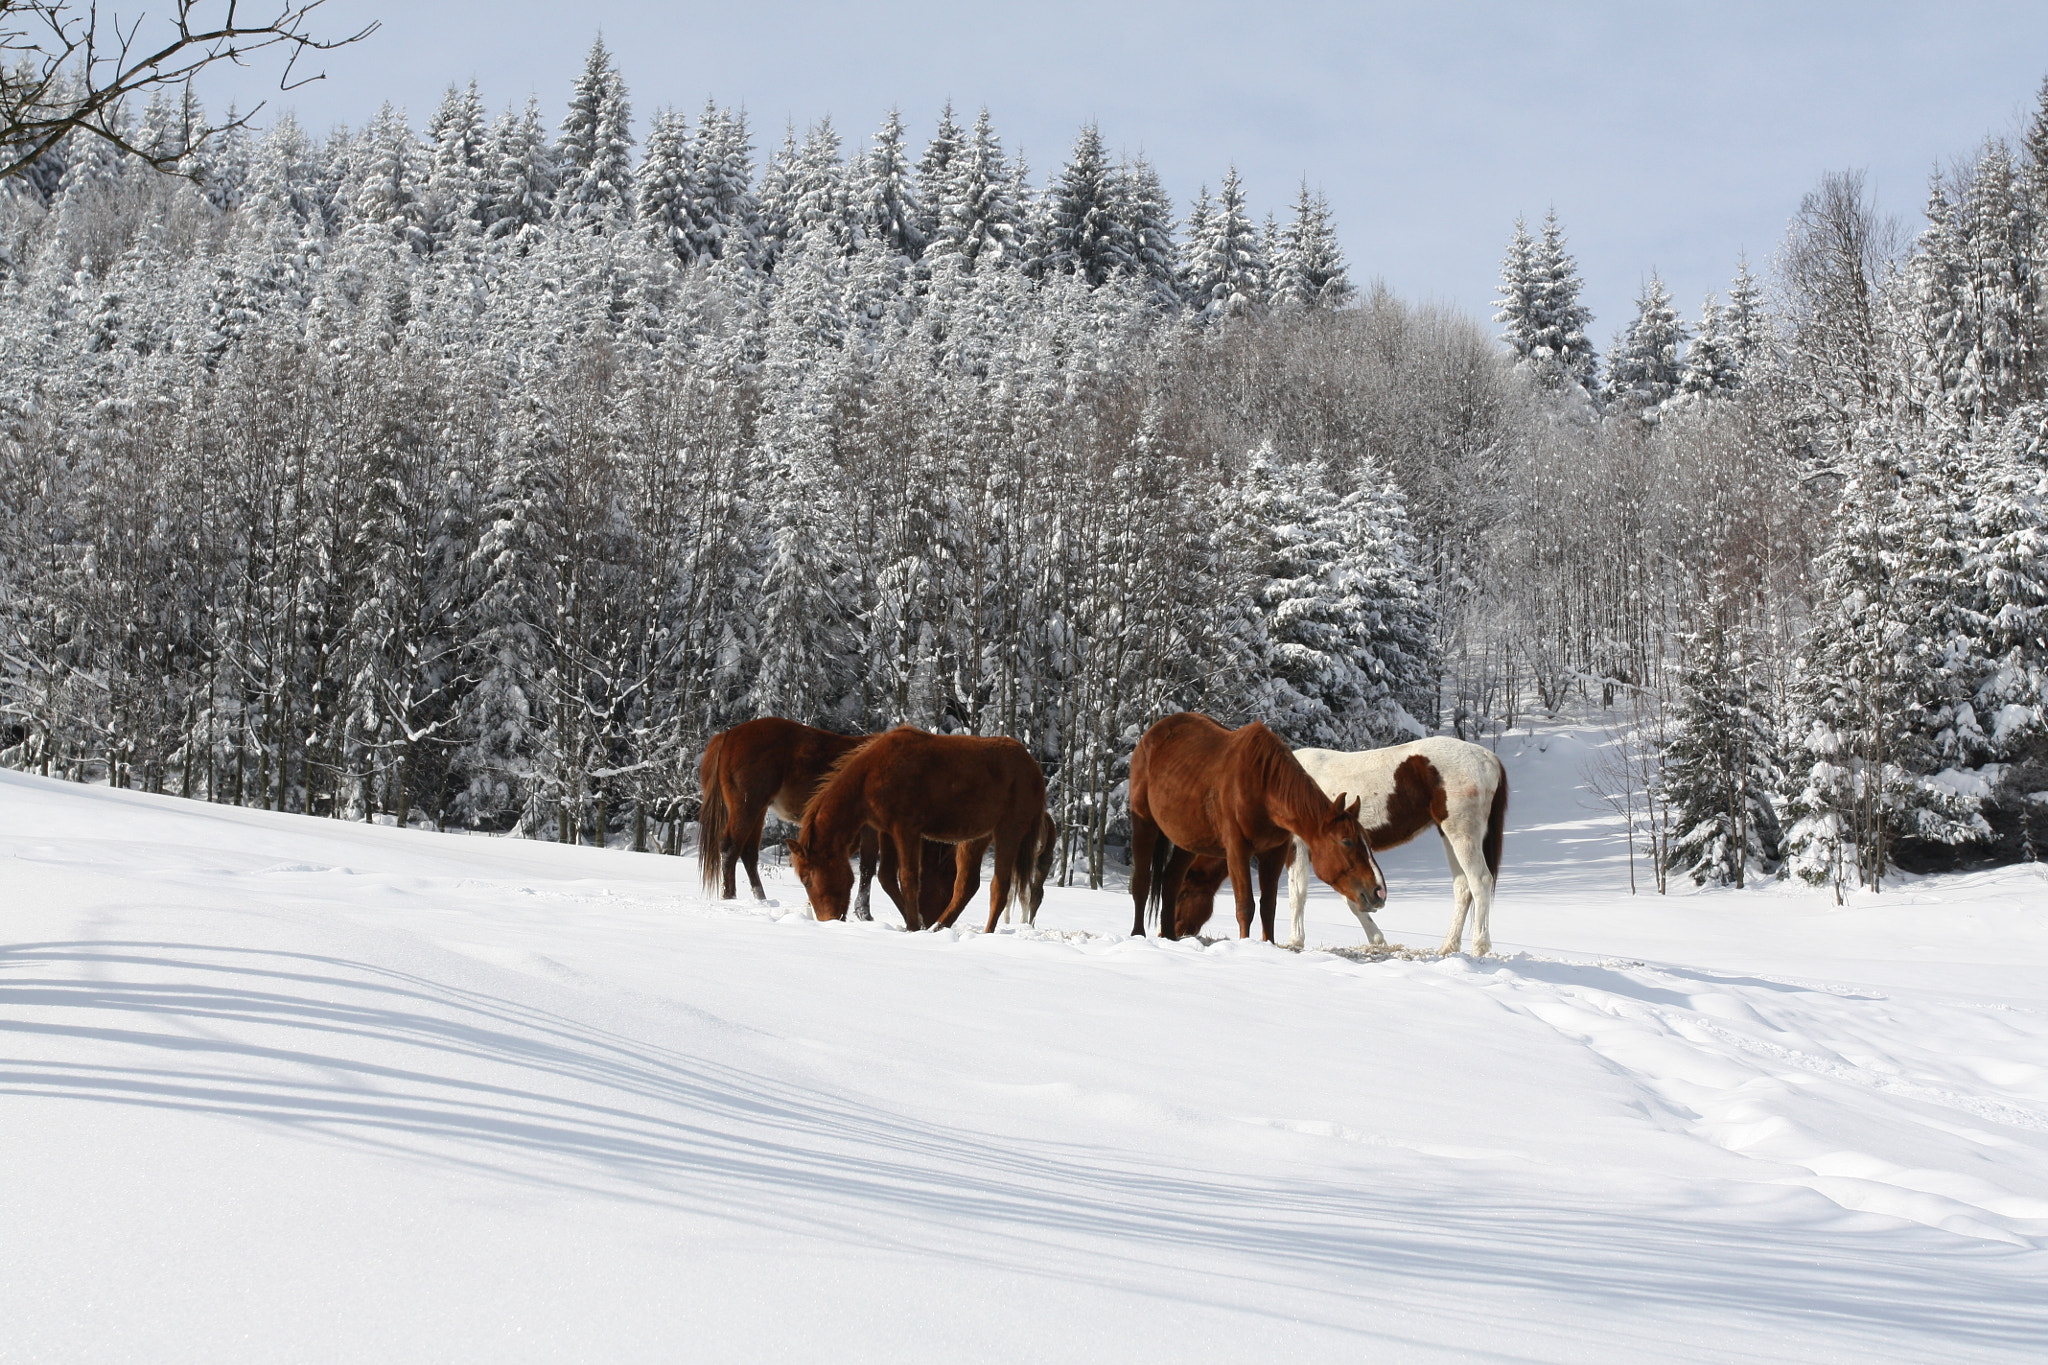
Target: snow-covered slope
(282, 1089)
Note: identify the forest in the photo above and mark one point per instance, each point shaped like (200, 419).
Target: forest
(474, 476)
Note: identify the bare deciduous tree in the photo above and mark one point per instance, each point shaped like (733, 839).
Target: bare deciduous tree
(66, 66)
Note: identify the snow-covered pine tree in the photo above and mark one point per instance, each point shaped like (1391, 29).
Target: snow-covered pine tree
(1308, 268)
(1147, 216)
(1746, 322)
(1083, 234)
(1522, 295)
(1712, 368)
(935, 172)
(1558, 343)
(458, 148)
(595, 190)
(392, 170)
(882, 196)
(1986, 338)
(1225, 272)
(1721, 766)
(1644, 369)
(666, 187)
(724, 218)
(1873, 695)
(520, 172)
(979, 219)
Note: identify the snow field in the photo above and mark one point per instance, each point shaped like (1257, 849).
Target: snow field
(280, 1088)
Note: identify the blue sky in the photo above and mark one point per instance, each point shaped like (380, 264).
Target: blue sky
(1668, 136)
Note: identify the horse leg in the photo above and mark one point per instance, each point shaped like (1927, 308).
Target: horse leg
(885, 872)
(1269, 888)
(1297, 895)
(1461, 897)
(909, 871)
(869, 847)
(966, 876)
(1007, 842)
(745, 848)
(1474, 885)
(1171, 878)
(1239, 856)
(1144, 835)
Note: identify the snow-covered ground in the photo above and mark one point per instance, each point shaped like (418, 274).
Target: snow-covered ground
(282, 1089)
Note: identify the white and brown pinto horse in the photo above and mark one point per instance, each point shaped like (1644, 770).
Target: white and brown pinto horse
(1460, 788)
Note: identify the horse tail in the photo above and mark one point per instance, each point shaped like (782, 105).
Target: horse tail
(1025, 875)
(712, 816)
(1497, 819)
(1156, 904)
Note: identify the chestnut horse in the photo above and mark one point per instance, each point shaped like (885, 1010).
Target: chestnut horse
(1459, 787)
(749, 770)
(1201, 791)
(967, 790)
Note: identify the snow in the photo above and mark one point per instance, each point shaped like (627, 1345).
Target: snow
(279, 1088)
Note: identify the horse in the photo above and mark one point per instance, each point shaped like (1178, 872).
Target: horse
(1459, 787)
(762, 765)
(970, 791)
(1201, 791)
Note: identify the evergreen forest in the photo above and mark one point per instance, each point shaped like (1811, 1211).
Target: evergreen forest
(474, 476)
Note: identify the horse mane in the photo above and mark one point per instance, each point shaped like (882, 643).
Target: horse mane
(837, 766)
(1282, 774)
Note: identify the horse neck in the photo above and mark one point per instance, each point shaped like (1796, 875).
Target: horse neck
(837, 812)
(1293, 800)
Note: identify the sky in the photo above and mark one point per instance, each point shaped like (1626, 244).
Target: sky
(1668, 137)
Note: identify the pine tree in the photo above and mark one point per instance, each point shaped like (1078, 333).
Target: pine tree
(1746, 322)
(457, 161)
(1558, 348)
(666, 187)
(1721, 766)
(1309, 266)
(724, 217)
(1082, 230)
(883, 199)
(1225, 271)
(935, 173)
(1873, 698)
(1644, 370)
(1147, 217)
(595, 191)
(392, 174)
(1712, 368)
(978, 220)
(519, 184)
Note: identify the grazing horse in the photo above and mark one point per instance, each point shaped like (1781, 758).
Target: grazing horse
(1459, 787)
(967, 790)
(766, 764)
(1201, 791)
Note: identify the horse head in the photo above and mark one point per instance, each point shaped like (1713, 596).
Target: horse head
(827, 881)
(1342, 857)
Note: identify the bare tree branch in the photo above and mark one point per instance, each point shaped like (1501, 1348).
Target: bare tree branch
(65, 66)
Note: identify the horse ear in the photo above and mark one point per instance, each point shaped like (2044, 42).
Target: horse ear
(1337, 808)
(1353, 812)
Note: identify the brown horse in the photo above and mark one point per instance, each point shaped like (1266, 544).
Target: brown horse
(967, 790)
(1201, 791)
(751, 769)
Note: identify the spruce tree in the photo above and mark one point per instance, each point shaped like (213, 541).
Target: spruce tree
(1644, 368)
(883, 196)
(1147, 217)
(595, 191)
(1225, 271)
(519, 183)
(979, 221)
(1082, 229)
(1558, 344)
(1309, 265)
(1721, 767)
(666, 187)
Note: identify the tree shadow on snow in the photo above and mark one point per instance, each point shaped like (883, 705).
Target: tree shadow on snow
(363, 1054)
